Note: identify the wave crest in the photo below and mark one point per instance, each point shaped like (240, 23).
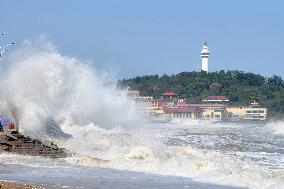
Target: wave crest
(44, 86)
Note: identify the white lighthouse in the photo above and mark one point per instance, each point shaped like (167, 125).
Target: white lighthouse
(204, 57)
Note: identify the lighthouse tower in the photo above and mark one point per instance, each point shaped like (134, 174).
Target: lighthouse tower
(204, 57)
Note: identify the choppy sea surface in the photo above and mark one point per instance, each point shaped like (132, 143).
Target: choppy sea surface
(180, 154)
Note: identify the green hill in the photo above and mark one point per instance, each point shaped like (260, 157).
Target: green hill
(241, 88)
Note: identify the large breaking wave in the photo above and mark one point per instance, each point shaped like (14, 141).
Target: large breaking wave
(40, 88)
(52, 96)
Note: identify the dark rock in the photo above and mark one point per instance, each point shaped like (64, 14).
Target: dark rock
(17, 143)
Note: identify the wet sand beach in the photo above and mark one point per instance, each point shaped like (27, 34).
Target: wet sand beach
(15, 185)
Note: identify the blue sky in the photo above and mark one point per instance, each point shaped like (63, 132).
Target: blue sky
(134, 37)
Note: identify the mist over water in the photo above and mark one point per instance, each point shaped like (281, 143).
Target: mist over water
(277, 127)
(45, 88)
(61, 98)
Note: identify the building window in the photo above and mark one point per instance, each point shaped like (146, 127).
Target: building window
(261, 111)
(248, 111)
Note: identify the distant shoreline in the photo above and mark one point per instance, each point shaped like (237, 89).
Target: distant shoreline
(240, 87)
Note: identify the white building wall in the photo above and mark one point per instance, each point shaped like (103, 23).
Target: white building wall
(204, 64)
(204, 57)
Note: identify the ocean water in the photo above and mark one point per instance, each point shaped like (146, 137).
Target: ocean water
(196, 154)
(62, 99)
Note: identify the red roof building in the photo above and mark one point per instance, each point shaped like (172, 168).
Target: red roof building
(169, 94)
(216, 99)
(159, 103)
(181, 109)
(182, 104)
(208, 106)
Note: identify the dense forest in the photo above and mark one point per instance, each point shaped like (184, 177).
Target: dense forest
(241, 88)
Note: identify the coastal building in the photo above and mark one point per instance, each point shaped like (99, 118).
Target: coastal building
(204, 57)
(235, 112)
(214, 114)
(182, 104)
(156, 107)
(218, 111)
(213, 107)
(252, 112)
(211, 111)
(183, 112)
(255, 112)
(158, 104)
(169, 95)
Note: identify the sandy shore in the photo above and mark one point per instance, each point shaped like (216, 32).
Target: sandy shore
(15, 185)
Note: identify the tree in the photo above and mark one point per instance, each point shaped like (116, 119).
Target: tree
(240, 87)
